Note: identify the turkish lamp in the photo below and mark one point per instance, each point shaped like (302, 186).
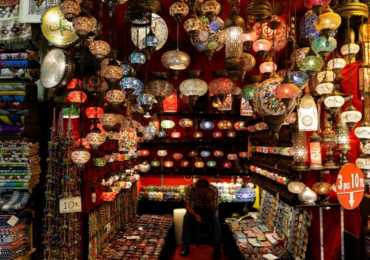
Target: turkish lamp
(70, 9)
(150, 42)
(80, 156)
(299, 78)
(287, 91)
(328, 22)
(179, 10)
(336, 64)
(342, 137)
(308, 118)
(115, 96)
(325, 76)
(85, 25)
(262, 47)
(311, 63)
(175, 60)
(349, 52)
(95, 138)
(334, 102)
(248, 38)
(268, 67)
(137, 58)
(323, 45)
(300, 151)
(233, 44)
(351, 116)
(99, 48)
(315, 152)
(112, 71)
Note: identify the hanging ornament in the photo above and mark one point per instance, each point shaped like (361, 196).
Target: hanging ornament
(80, 156)
(85, 25)
(100, 49)
(70, 9)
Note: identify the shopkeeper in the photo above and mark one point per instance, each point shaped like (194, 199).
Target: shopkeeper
(201, 202)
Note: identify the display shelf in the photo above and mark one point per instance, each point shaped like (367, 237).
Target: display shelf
(206, 172)
(212, 142)
(204, 115)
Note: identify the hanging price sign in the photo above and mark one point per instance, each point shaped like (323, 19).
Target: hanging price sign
(350, 186)
(70, 205)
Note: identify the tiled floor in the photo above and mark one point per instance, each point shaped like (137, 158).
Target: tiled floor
(197, 252)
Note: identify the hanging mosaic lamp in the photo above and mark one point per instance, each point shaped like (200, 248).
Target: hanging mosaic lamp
(175, 60)
(233, 44)
(170, 103)
(167, 124)
(206, 125)
(193, 88)
(132, 85)
(137, 58)
(99, 48)
(76, 96)
(112, 71)
(94, 112)
(179, 10)
(220, 86)
(298, 77)
(259, 9)
(160, 88)
(323, 45)
(80, 156)
(328, 22)
(210, 8)
(85, 25)
(115, 96)
(70, 9)
(309, 4)
(308, 29)
(336, 64)
(95, 138)
(311, 63)
(249, 91)
(267, 67)
(262, 46)
(287, 91)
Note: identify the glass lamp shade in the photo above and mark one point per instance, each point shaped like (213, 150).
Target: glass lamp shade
(220, 86)
(205, 154)
(298, 77)
(211, 7)
(199, 164)
(197, 135)
(151, 41)
(227, 165)
(267, 67)
(144, 153)
(160, 88)
(193, 87)
(176, 134)
(170, 104)
(109, 120)
(84, 25)
(287, 91)
(80, 157)
(262, 45)
(349, 49)
(233, 42)
(112, 72)
(94, 112)
(224, 125)
(218, 153)
(146, 99)
(311, 63)
(132, 85)
(217, 134)
(70, 9)
(162, 153)
(155, 163)
(247, 62)
(177, 156)
(249, 91)
(179, 10)
(167, 124)
(207, 125)
(211, 164)
(193, 154)
(175, 60)
(336, 64)
(95, 139)
(232, 157)
(137, 58)
(128, 70)
(300, 150)
(184, 164)
(76, 96)
(342, 136)
(323, 45)
(186, 123)
(100, 49)
(315, 152)
(325, 76)
(168, 164)
(193, 24)
(328, 21)
(115, 96)
(351, 116)
(324, 88)
(74, 84)
(277, 35)
(334, 102)
(308, 26)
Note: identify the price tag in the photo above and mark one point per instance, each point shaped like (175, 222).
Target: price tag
(12, 221)
(350, 186)
(70, 205)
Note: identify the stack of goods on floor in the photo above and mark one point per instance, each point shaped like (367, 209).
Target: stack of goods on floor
(228, 192)
(142, 239)
(278, 229)
(108, 219)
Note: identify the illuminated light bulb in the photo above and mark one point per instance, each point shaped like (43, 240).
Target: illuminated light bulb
(267, 67)
(262, 45)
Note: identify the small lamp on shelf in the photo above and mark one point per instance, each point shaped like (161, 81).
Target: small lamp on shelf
(315, 152)
(300, 151)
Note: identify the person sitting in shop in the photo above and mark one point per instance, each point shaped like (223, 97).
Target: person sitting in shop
(201, 202)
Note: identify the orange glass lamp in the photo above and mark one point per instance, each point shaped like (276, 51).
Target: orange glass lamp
(328, 22)
(262, 46)
(315, 152)
(287, 91)
(80, 156)
(94, 112)
(170, 103)
(76, 96)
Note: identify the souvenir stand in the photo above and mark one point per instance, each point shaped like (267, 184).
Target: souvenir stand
(110, 108)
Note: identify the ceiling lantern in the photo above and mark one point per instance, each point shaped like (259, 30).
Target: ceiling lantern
(262, 46)
(328, 22)
(309, 4)
(95, 138)
(267, 67)
(132, 86)
(179, 10)
(260, 9)
(170, 104)
(160, 88)
(287, 91)
(220, 86)
(112, 71)
(76, 96)
(175, 60)
(80, 156)
(211, 8)
(70, 9)
(100, 49)
(94, 112)
(137, 58)
(115, 96)
(323, 45)
(233, 44)
(311, 63)
(84, 25)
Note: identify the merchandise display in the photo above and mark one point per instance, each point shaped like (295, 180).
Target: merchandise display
(253, 114)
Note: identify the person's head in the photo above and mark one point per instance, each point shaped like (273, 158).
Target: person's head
(202, 183)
